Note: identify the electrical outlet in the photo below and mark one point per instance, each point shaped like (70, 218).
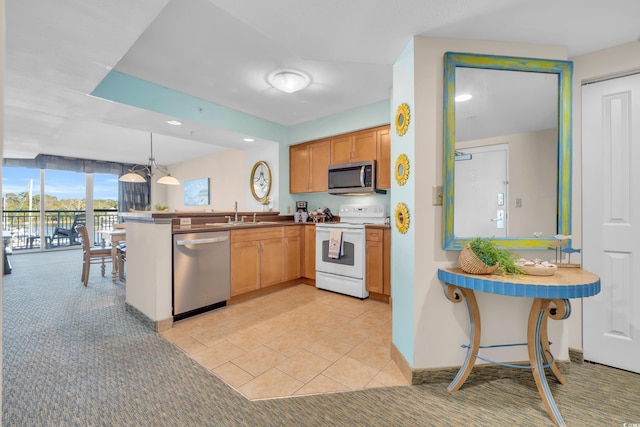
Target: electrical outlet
(185, 221)
(288, 209)
(436, 195)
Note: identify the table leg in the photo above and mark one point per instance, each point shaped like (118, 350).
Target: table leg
(537, 345)
(114, 261)
(561, 311)
(455, 295)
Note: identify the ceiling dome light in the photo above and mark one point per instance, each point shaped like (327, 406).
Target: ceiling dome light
(289, 81)
(174, 122)
(463, 97)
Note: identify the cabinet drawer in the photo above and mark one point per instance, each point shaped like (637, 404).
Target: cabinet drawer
(292, 231)
(260, 233)
(375, 235)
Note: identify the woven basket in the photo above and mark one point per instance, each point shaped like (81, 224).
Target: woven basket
(470, 263)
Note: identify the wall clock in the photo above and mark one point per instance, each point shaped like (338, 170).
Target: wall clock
(260, 181)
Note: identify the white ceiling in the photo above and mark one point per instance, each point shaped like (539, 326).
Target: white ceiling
(221, 51)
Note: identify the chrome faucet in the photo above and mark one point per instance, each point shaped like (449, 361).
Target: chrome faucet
(254, 217)
(236, 217)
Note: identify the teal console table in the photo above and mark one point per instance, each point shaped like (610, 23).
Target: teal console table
(550, 295)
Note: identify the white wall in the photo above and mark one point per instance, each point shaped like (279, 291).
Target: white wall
(611, 62)
(438, 327)
(227, 181)
(2, 55)
(228, 174)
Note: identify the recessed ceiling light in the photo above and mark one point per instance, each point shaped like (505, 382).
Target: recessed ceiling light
(174, 122)
(248, 139)
(289, 81)
(463, 97)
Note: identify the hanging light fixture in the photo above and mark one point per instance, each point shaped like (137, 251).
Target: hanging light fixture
(134, 176)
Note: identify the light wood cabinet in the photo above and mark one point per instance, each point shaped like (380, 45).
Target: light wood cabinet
(383, 157)
(378, 256)
(308, 165)
(258, 259)
(308, 162)
(245, 267)
(309, 263)
(354, 147)
(292, 250)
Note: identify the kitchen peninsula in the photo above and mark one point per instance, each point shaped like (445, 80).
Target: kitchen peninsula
(150, 259)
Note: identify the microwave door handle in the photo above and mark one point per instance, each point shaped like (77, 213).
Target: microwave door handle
(361, 176)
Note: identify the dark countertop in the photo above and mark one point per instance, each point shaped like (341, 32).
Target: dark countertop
(221, 226)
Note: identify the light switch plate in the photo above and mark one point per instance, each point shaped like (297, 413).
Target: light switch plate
(436, 195)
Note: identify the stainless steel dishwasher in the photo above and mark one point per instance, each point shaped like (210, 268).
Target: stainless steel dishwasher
(201, 272)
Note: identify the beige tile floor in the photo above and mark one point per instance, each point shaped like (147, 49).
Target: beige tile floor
(297, 341)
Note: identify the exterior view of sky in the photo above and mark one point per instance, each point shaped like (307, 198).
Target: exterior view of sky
(61, 184)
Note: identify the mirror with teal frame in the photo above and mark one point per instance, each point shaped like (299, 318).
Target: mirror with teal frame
(562, 71)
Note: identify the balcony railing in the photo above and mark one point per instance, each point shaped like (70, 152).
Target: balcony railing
(24, 227)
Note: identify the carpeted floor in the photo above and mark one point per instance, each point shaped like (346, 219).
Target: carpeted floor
(73, 356)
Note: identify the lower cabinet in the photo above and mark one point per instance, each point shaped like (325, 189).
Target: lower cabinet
(292, 251)
(378, 273)
(264, 257)
(309, 261)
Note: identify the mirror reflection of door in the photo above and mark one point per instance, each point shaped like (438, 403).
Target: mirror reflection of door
(521, 108)
(481, 192)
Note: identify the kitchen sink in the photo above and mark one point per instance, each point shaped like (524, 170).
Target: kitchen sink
(239, 223)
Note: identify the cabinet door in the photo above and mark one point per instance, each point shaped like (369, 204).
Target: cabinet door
(292, 261)
(299, 168)
(310, 251)
(320, 155)
(375, 265)
(272, 258)
(342, 149)
(245, 267)
(386, 259)
(384, 158)
(364, 145)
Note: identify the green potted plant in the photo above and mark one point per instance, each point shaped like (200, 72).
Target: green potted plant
(482, 256)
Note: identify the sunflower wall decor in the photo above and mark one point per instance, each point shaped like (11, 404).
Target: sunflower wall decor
(402, 169)
(403, 117)
(402, 218)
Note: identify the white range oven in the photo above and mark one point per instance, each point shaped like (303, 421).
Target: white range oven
(341, 264)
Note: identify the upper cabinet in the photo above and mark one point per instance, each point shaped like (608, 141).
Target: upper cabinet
(383, 157)
(354, 147)
(308, 165)
(309, 161)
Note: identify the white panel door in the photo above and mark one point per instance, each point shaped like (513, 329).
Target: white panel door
(481, 193)
(611, 220)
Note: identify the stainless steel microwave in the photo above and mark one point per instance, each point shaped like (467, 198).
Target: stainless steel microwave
(353, 178)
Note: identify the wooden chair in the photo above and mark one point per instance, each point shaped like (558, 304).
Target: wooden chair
(92, 254)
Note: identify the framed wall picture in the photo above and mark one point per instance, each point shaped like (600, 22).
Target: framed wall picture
(196, 192)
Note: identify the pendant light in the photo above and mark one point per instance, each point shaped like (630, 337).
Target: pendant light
(134, 176)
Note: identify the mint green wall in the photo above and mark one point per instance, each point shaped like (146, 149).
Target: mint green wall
(403, 245)
(125, 89)
(363, 117)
